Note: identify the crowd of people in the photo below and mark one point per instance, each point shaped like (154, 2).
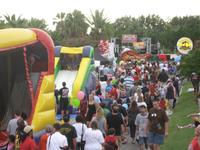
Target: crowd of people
(134, 99)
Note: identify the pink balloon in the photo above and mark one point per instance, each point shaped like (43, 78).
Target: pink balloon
(81, 95)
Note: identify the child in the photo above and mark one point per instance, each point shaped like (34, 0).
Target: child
(111, 140)
(141, 122)
(11, 144)
(162, 104)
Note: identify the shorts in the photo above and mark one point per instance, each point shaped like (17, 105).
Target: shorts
(143, 140)
(155, 138)
(64, 104)
(118, 133)
(171, 101)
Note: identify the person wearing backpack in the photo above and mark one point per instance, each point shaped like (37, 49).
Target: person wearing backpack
(80, 130)
(20, 135)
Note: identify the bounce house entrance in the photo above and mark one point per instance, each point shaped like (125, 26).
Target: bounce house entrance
(70, 61)
(14, 91)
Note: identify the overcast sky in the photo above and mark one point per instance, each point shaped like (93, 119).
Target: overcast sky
(47, 9)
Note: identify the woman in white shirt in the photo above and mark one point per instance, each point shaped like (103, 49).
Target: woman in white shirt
(93, 137)
(80, 130)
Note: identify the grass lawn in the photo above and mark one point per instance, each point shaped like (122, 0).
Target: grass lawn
(180, 139)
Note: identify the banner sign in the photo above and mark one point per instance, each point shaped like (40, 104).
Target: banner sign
(103, 47)
(106, 49)
(129, 38)
(139, 45)
(184, 45)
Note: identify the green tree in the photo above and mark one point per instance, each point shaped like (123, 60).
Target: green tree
(2, 23)
(153, 26)
(15, 22)
(37, 23)
(100, 26)
(76, 24)
(177, 27)
(59, 21)
(191, 63)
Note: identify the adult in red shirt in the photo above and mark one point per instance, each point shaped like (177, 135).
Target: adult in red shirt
(195, 144)
(43, 139)
(136, 77)
(113, 92)
(28, 143)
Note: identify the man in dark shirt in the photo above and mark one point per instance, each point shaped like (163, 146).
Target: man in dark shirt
(115, 120)
(195, 82)
(163, 77)
(70, 132)
(64, 99)
(157, 126)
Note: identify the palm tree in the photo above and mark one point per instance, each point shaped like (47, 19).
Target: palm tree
(99, 25)
(2, 23)
(76, 24)
(15, 22)
(59, 21)
(37, 23)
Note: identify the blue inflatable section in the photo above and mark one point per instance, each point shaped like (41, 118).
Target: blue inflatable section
(86, 51)
(57, 51)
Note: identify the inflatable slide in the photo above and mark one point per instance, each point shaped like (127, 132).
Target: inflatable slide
(74, 66)
(27, 77)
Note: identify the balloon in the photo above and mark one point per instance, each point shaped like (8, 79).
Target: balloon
(76, 102)
(80, 95)
(177, 58)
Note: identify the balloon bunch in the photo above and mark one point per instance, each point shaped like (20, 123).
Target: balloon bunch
(80, 97)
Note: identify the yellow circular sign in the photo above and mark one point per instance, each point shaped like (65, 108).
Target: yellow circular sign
(184, 45)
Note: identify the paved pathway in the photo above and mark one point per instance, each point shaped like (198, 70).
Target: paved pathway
(129, 145)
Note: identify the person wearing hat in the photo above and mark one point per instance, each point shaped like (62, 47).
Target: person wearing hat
(157, 127)
(28, 143)
(141, 123)
(44, 137)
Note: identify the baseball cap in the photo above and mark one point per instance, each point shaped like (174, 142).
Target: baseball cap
(49, 128)
(142, 104)
(28, 129)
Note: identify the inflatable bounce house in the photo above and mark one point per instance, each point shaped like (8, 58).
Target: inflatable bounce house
(27, 77)
(75, 65)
